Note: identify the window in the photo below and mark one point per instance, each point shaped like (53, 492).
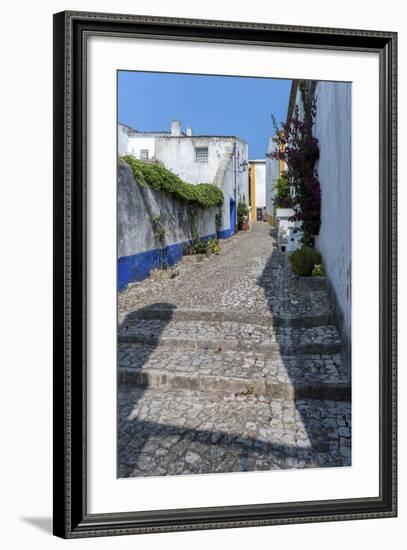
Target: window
(201, 154)
(144, 154)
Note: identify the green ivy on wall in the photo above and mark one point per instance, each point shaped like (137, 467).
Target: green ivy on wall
(205, 195)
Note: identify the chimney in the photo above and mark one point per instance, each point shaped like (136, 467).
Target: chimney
(189, 131)
(175, 128)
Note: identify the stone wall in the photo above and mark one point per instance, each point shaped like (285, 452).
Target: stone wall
(139, 249)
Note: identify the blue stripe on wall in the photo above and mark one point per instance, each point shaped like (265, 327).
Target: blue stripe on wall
(138, 266)
(225, 234)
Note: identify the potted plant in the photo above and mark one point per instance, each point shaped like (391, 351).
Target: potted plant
(242, 216)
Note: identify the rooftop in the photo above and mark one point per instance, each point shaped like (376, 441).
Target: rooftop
(169, 134)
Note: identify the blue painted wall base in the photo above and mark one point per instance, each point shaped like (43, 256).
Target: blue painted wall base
(137, 267)
(225, 234)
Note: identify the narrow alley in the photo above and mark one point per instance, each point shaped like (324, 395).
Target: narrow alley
(228, 366)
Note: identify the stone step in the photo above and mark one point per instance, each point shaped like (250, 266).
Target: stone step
(288, 376)
(231, 315)
(226, 336)
(181, 432)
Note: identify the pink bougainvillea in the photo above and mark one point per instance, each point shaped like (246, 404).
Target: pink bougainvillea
(298, 148)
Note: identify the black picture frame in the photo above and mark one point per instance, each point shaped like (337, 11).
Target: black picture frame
(71, 518)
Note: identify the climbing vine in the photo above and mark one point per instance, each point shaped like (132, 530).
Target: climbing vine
(296, 145)
(282, 193)
(158, 230)
(159, 236)
(194, 226)
(204, 195)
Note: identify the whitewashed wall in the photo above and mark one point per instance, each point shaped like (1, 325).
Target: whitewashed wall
(333, 129)
(178, 155)
(242, 171)
(260, 183)
(137, 143)
(122, 139)
(272, 174)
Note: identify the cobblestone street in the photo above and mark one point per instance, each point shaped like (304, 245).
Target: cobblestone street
(228, 366)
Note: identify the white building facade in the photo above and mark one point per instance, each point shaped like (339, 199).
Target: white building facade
(219, 160)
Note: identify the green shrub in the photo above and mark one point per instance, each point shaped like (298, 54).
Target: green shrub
(318, 271)
(214, 246)
(197, 246)
(200, 246)
(205, 195)
(303, 261)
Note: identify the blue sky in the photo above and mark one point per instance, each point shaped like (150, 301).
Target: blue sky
(219, 105)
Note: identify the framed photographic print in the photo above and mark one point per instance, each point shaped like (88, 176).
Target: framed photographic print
(225, 274)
